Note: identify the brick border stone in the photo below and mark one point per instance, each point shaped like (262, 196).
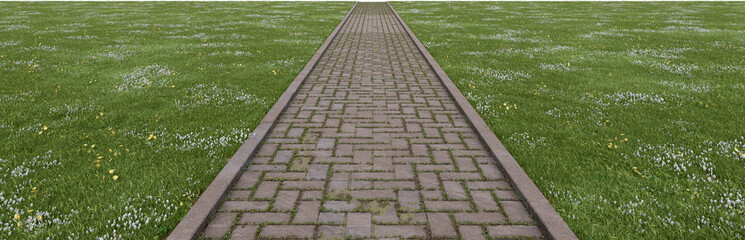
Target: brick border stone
(549, 220)
(199, 215)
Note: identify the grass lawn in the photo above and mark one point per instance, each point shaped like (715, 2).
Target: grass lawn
(115, 116)
(629, 117)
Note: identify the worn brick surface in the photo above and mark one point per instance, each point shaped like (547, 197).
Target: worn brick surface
(372, 145)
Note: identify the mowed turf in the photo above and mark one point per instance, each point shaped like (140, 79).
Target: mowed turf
(115, 116)
(629, 117)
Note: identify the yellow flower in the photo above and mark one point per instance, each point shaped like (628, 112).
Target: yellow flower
(45, 128)
(111, 171)
(115, 177)
(181, 203)
(38, 217)
(17, 216)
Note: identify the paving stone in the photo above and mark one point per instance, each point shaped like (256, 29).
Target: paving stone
(373, 176)
(247, 180)
(285, 200)
(383, 163)
(408, 200)
(362, 156)
(339, 206)
(441, 157)
(479, 218)
(460, 176)
(359, 225)
(244, 232)
(428, 180)
(307, 212)
(220, 225)
(266, 189)
(312, 195)
(441, 225)
(283, 156)
(403, 231)
(239, 195)
(284, 175)
(286, 231)
(295, 132)
(388, 216)
(330, 232)
(454, 190)
(447, 205)
(487, 185)
(465, 164)
(394, 185)
(338, 185)
(325, 143)
(510, 231)
(434, 167)
(484, 201)
(356, 184)
(472, 232)
(244, 205)
(491, 172)
(373, 194)
(215, 231)
(506, 195)
(432, 195)
(329, 217)
(303, 184)
(317, 171)
(516, 212)
(264, 217)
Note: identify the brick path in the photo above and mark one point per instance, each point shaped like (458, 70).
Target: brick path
(372, 146)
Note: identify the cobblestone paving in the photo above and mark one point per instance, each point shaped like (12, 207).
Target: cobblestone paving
(372, 146)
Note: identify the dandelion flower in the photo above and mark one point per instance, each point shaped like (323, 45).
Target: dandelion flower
(115, 177)
(45, 128)
(17, 216)
(111, 171)
(38, 217)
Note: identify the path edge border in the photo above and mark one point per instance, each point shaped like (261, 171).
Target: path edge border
(549, 220)
(195, 221)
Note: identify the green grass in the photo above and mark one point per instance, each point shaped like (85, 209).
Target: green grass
(162, 94)
(581, 78)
